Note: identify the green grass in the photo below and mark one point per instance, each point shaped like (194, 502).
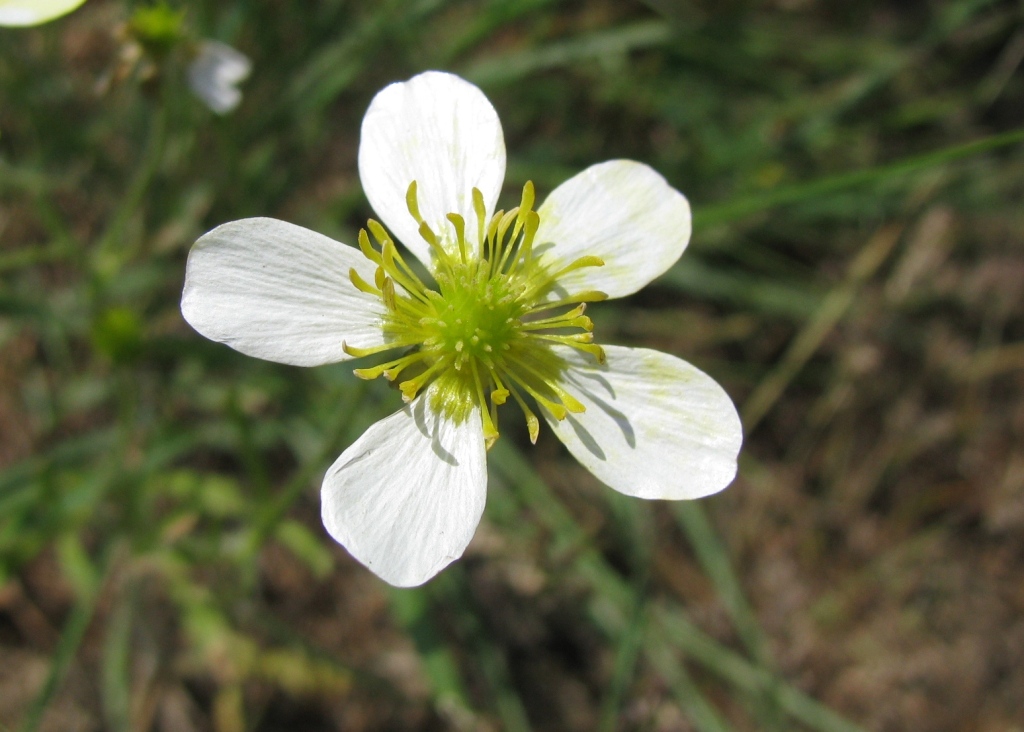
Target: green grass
(158, 492)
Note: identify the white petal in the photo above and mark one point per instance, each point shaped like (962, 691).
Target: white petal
(280, 292)
(406, 497)
(621, 211)
(655, 426)
(440, 131)
(214, 73)
(34, 12)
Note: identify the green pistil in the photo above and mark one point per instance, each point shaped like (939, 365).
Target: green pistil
(482, 333)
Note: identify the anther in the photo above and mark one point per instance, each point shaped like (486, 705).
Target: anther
(368, 251)
(460, 234)
(412, 204)
(388, 293)
(361, 284)
(480, 209)
(378, 231)
(587, 261)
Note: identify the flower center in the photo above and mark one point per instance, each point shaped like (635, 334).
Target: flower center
(484, 332)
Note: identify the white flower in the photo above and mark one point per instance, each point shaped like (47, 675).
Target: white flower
(406, 497)
(215, 73)
(34, 12)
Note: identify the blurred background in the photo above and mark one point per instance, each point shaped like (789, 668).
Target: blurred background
(855, 281)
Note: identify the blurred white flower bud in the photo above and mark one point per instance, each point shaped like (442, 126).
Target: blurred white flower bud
(214, 74)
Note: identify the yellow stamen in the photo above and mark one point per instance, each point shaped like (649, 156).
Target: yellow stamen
(361, 284)
(476, 333)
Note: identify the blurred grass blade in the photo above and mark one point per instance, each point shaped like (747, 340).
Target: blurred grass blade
(742, 674)
(91, 579)
(601, 45)
(710, 215)
(28, 180)
(68, 451)
(454, 595)
(111, 252)
(699, 710)
(308, 547)
(339, 62)
(493, 16)
(229, 708)
(272, 511)
(411, 608)
(809, 339)
(694, 277)
(33, 255)
(626, 657)
(714, 559)
(116, 688)
(70, 638)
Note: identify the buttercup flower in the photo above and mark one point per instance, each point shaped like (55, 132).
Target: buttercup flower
(499, 321)
(34, 12)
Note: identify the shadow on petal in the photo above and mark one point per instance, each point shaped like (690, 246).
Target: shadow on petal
(593, 375)
(619, 417)
(419, 414)
(585, 437)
